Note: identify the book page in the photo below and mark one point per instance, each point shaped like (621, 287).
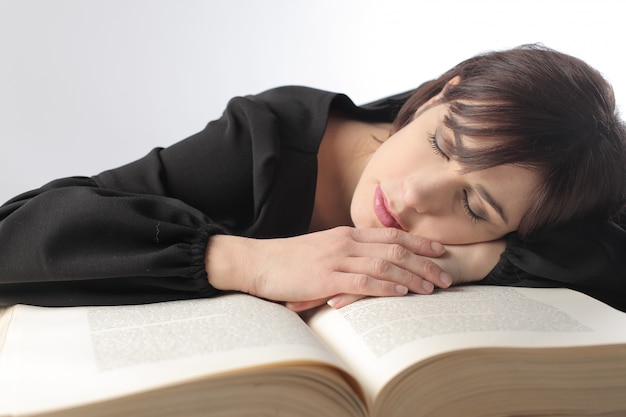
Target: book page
(5, 319)
(63, 356)
(379, 337)
(6, 314)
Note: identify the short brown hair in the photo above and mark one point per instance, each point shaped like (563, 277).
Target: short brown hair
(557, 116)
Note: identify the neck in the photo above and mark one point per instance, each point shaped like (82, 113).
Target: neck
(344, 151)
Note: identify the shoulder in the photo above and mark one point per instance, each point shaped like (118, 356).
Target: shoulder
(294, 93)
(297, 104)
(295, 116)
(293, 101)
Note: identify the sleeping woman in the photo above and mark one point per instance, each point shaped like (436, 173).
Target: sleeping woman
(508, 169)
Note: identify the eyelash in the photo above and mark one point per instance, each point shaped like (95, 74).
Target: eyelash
(465, 200)
(432, 140)
(466, 208)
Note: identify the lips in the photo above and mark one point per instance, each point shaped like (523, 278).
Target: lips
(382, 211)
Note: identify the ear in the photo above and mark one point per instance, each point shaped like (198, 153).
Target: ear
(435, 99)
(453, 81)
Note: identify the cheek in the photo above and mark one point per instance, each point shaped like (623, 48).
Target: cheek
(362, 212)
(399, 156)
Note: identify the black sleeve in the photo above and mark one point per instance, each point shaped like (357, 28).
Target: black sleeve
(72, 243)
(587, 256)
(139, 233)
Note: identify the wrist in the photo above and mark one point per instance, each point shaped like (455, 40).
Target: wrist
(487, 258)
(225, 265)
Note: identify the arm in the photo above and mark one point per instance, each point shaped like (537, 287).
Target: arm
(307, 270)
(133, 234)
(137, 233)
(71, 243)
(587, 256)
(95, 246)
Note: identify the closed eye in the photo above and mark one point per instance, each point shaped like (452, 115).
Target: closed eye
(468, 210)
(432, 139)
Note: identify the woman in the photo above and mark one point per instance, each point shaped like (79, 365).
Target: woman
(299, 196)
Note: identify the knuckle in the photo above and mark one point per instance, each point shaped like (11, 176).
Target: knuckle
(430, 269)
(381, 267)
(391, 234)
(341, 246)
(397, 253)
(422, 244)
(360, 283)
(344, 231)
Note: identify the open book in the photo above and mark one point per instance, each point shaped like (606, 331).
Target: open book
(466, 351)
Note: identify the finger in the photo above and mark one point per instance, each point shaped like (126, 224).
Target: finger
(384, 271)
(415, 244)
(363, 284)
(299, 306)
(343, 300)
(395, 263)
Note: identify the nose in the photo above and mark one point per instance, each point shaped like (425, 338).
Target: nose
(429, 194)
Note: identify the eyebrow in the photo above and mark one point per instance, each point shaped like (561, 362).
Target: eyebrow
(490, 200)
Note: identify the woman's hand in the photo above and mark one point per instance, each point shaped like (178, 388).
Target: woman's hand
(465, 263)
(471, 263)
(307, 270)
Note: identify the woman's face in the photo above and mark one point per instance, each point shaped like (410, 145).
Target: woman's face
(410, 183)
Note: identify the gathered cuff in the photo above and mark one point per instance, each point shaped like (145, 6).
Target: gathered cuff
(506, 271)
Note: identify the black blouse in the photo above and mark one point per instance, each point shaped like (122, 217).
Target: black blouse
(138, 233)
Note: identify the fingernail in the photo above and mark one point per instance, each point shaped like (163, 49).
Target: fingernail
(428, 286)
(445, 279)
(437, 247)
(401, 289)
(333, 301)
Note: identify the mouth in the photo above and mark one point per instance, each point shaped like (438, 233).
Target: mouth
(382, 211)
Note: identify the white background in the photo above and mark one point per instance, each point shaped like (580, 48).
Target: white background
(87, 85)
